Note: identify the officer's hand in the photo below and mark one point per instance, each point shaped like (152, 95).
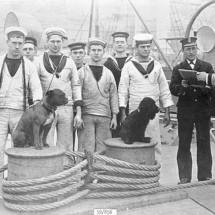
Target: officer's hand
(201, 76)
(184, 83)
(206, 89)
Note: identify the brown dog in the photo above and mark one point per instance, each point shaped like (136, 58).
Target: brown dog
(36, 121)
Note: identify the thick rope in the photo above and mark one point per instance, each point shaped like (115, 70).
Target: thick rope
(47, 179)
(124, 180)
(29, 198)
(64, 184)
(73, 178)
(147, 191)
(118, 162)
(46, 206)
(121, 186)
(126, 171)
(27, 189)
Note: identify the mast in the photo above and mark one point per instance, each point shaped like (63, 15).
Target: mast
(147, 29)
(97, 18)
(91, 18)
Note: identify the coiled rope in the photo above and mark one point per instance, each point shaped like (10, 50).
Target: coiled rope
(118, 186)
(27, 195)
(147, 191)
(117, 162)
(42, 207)
(87, 179)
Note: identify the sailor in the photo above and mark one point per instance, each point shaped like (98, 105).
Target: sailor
(115, 63)
(117, 60)
(17, 74)
(143, 77)
(77, 52)
(100, 100)
(29, 51)
(57, 70)
(193, 109)
(30, 48)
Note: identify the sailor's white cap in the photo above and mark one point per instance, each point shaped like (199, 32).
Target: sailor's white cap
(96, 41)
(56, 31)
(143, 38)
(15, 30)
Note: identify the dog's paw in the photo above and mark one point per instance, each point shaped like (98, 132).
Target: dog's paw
(38, 146)
(46, 145)
(26, 146)
(15, 145)
(20, 145)
(146, 139)
(129, 142)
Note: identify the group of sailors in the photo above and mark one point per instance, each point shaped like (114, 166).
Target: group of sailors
(102, 94)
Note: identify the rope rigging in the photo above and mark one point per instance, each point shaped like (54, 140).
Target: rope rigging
(81, 26)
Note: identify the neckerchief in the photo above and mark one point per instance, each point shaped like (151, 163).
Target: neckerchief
(121, 62)
(97, 71)
(13, 65)
(115, 63)
(140, 68)
(49, 65)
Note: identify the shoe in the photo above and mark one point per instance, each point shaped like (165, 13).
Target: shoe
(204, 179)
(184, 181)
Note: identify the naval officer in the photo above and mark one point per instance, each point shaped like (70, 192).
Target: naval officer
(193, 109)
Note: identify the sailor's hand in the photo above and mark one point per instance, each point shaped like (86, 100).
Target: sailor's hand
(78, 122)
(113, 124)
(166, 119)
(122, 117)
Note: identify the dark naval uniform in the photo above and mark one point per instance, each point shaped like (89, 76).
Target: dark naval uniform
(115, 65)
(193, 108)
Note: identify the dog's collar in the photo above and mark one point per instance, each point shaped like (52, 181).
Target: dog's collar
(48, 108)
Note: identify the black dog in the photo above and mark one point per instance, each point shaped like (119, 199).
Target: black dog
(36, 121)
(134, 126)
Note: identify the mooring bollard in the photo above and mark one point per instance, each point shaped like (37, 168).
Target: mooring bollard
(37, 181)
(29, 163)
(139, 153)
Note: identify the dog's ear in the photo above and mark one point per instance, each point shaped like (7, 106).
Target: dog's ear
(49, 92)
(144, 105)
(147, 107)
